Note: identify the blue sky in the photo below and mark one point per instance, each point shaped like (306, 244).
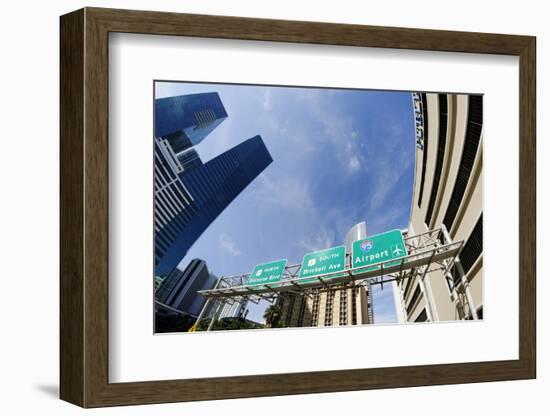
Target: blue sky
(339, 157)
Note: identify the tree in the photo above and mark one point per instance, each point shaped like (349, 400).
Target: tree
(272, 315)
(228, 324)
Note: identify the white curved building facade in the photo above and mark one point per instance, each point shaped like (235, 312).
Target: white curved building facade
(448, 194)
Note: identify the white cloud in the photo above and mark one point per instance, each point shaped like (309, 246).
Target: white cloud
(286, 192)
(354, 164)
(267, 101)
(389, 174)
(389, 215)
(337, 130)
(227, 244)
(322, 239)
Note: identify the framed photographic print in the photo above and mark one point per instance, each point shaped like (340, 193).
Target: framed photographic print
(256, 207)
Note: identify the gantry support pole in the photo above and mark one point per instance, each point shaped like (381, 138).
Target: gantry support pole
(206, 305)
(215, 316)
(464, 280)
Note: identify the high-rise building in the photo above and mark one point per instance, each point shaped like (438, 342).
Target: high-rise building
(186, 120)
(357, 232)
(189, 195)
(212, 186)
(333, 306)
(189, 159)
(173, 204)
(179, 289)
(448, 195)
(325, 307)
(235, 310)
(180, 123)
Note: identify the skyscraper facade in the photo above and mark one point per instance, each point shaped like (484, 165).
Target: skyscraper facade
(186, 120)
(173, 204)
(212, 186)
(357, 232)
(180, 123)
(189, 159)
(190, 194)
(234, 310)
(179, 289)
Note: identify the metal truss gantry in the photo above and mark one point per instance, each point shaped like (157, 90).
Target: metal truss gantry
(427, 252)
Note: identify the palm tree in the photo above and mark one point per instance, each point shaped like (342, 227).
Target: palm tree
(272, 316)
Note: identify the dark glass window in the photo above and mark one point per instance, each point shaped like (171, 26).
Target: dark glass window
(471, 251)
(414, 299)
(441, 144)
(480, 312)
(408, 285)
(423, 317)
(424, 146)
(471, 144)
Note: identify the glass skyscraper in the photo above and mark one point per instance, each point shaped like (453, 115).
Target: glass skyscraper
(173, 204)
(179, 289)
(186, 120)
(213, 186)
(190, 194)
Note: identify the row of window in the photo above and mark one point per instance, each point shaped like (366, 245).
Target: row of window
(472, 250)
(343, 307)
(315, 308)
(173, 204)
(204, 118)
(442, 143)
(424, 110)
(328, 307)
(469, 152)
(212, 186)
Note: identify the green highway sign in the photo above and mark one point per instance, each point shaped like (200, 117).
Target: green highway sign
(378, 248)
(267, 273)
(322, 262)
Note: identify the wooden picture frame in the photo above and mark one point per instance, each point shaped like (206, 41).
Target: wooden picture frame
(84, 207)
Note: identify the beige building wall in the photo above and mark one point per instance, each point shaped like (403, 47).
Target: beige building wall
(435, 297)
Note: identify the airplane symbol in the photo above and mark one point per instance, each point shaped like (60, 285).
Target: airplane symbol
(397, 251)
